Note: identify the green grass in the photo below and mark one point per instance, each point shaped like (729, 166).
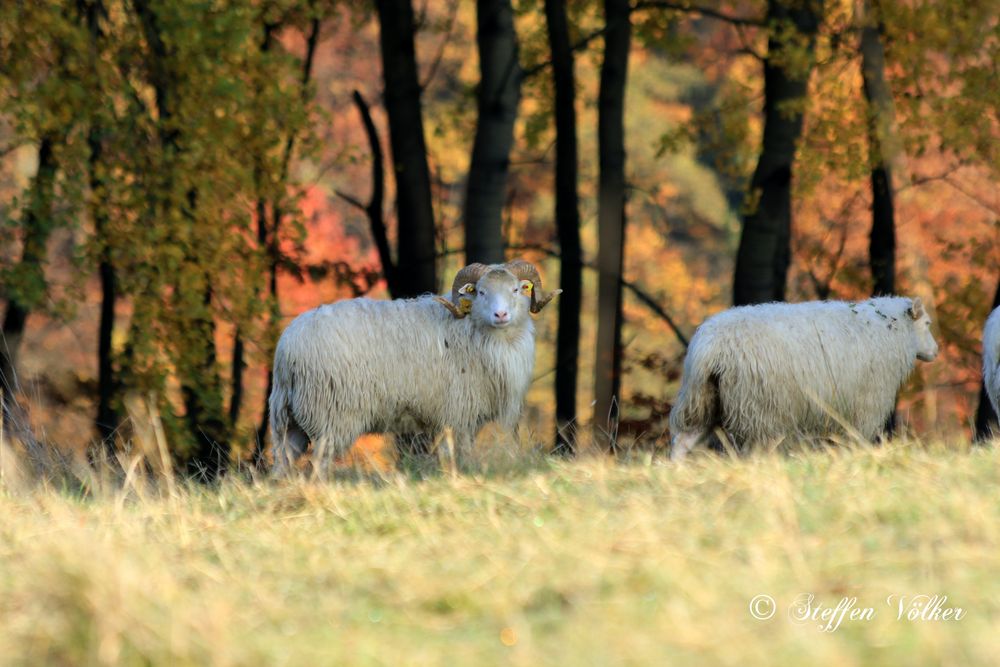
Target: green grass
(564, 563)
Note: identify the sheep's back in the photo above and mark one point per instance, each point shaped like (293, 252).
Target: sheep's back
(394, 365)
(787, 369)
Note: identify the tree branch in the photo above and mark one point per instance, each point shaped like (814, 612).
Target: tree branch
(642, 5)
(706, 12)
(436, 63)
(353, 201)
(373, 209)
(580, 45)
(644, 297)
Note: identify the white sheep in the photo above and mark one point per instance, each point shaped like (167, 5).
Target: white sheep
(412, 366)
(773, 371)
(991, 359)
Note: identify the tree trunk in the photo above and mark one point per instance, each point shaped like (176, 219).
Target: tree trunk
(497, 98)
(238, 363)
(765, 245)
(107, 413)
(568, 226)
(986, 418)
(265, 417)
(197, 368)
(882, 244)
(106, 419)
(611, 219)
(273, 244)
(374, 208)
(882, 240)
(416, 252)
(37, 224)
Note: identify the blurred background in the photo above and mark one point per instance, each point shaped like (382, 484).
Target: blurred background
(178, 180)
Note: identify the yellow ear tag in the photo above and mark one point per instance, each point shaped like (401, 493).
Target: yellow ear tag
(467, 288)
(527, 288)
(465, 305)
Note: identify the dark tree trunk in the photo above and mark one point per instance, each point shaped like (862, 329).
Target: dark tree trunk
(201, 385)
(236, 380)
(568, 226)
(258, 458)
(107, 414)
(37, 224)
(374, 208)
(765, 245)
(106, 419)
(416, 252)
(986, 419)
(273, 242)
(201, 388)
(238, 364)
(262, 428)
(882, 240)
(882, 243)
(611, 219)
(497, 98)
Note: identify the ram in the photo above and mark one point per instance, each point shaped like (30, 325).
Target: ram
(775, 371)
(407, 367)
(991, 359)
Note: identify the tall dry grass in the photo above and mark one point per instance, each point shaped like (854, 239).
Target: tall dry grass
(537, 562)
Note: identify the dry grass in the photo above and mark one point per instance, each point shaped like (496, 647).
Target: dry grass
(554, 562)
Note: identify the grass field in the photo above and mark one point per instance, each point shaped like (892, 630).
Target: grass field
(564, 563)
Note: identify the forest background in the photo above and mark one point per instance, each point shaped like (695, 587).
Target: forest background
(180, 179)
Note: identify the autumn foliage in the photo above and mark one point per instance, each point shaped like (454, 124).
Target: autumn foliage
(180, 179)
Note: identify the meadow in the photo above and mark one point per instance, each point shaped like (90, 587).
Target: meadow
(540, 561)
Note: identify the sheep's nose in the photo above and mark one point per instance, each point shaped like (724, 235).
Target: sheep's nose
(501, 315)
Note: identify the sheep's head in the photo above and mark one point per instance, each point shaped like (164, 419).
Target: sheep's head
(497, 294)
(927, 347)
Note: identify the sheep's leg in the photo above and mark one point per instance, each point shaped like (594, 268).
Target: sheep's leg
(682, 443)
(413, 445)
(288, 445)
(329, 446)
(464, 442)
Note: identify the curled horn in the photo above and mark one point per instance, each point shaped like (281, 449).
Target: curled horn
(459, 305)
(527, 271)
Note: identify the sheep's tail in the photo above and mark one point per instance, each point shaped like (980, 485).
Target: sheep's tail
(283, 429)
(277, 405)
(991, 358)
(696, 409)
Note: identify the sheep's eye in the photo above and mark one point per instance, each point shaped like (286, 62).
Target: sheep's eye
(482, 293)
(515, 291)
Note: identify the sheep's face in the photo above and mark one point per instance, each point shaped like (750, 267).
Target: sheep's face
(499, 299)
(927, 347)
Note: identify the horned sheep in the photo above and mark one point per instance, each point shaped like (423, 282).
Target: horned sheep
(408, 366)
(768, 372)
(991, 359)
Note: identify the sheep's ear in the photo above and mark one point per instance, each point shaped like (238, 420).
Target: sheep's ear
(527, 287)
(467, 288)
(916, 311)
